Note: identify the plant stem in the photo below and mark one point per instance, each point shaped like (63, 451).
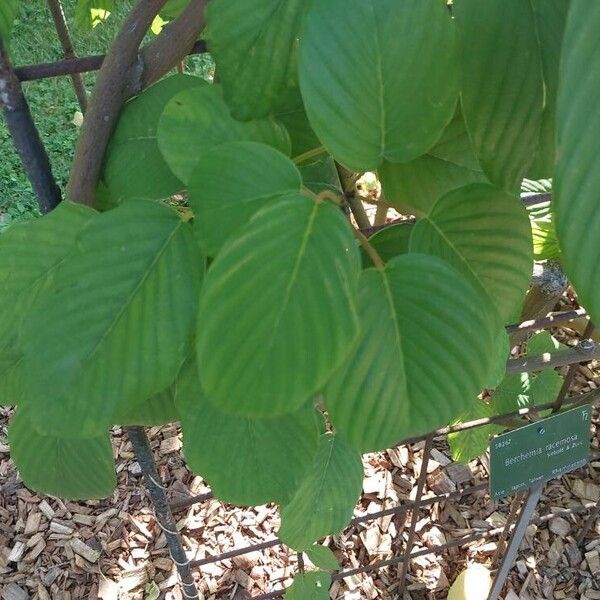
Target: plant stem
(25, 136)
(163, 513)
(308, 155)
(373, 254)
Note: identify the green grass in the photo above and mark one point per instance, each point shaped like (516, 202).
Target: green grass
(53, 102)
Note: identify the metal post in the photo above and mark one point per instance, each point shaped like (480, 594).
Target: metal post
(25, 136)
(163, 513)
(519, 533)
(62, 29)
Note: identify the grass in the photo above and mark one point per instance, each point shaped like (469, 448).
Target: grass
(53, 102)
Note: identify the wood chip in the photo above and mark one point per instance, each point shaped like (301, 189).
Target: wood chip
(14, 592)
(81, 548)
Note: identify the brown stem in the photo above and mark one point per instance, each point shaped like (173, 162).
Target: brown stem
(125, 72)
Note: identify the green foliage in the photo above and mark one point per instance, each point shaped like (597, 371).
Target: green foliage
(114, 325)
(252, 41)
(324, 502)
(378, 110)
(386, 390)
(513, 392)
(578, 166)
(309, 586)
(78, 469)
(134, 167)
(323, 558)
(196, 120)
(414, 187)
(89, 13)
(502, 92)
(288, 281)
(291, 356)
(271, 455)
(484, 233)
(231, 183)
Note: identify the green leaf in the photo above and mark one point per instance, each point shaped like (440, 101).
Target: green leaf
(390, 242)
(578, 168)
(271, 456)
(321, 175)
(309, 586)
(232, 182)
(173, 8)
(157, 410)
(288, 282)
(323, 558)
(550, 19)
(543, 231)
(252, 43)
(387, 389)
(11, 377)
(134, 166)
(500, 353)
(77, 469)
(29, 254)
(291, 112)
(414, 187)
(325, 501)
(512, 393)
(196, 120)
(9, 9)
(115, 325)
(543, 342)
(357, 76)
(485, 233)
(502, 90)
(469, 444)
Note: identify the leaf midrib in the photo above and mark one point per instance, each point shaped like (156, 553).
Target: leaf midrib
(129, 299)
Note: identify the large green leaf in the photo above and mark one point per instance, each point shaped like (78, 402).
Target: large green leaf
(196, 120)
(157, 410)
(414, 187)
(391, 386)
(278, 308)
(325, 501)
(357, 76)
(291, 112)
(502, 86)
(577, 181)
(115, 324)
(309, 586)
(11, 377)
(252, 42)
(485, 233)
(232, 182)
(550, 19)
(9, 9)
(78, 469)
(134, 166)
(543, 231)
(29, 253)
(271, 456)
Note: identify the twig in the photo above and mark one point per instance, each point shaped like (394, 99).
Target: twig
(368, 248)
(25, 136)
(163, 513)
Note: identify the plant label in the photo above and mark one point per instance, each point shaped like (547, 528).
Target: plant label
(539, 452)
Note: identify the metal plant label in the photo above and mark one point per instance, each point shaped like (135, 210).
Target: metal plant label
(539, 452)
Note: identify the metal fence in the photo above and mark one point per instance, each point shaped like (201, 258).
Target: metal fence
(521, 509)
